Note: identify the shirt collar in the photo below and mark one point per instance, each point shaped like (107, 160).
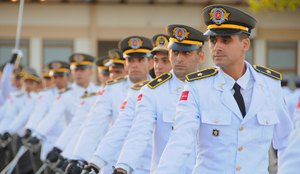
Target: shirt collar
(242, 81)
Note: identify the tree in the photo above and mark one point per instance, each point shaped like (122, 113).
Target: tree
(277, 5)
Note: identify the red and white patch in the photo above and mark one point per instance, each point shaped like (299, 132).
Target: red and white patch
(81, 103)
(40, 97)
(58, 97)
(184, 95)
(101, 92)
(140, 97)
(123, 104)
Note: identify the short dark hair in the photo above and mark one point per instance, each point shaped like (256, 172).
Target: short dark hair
(243, 36)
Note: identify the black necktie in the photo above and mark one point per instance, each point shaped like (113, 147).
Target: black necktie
(239, 98)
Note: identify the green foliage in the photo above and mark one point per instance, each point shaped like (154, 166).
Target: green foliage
(274, 5)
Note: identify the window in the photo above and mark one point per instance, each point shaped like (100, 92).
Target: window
(54, 50)
(282, 56)
(6, 47)
(104, 46)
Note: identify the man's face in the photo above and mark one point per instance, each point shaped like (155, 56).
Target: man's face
(103, 78)
(30, 85)
(137, 68)
(185, 62)
(47, 82)
(82, 76)
(61, 81)
(161, 63)
(115, 72)
(16, 81)
(228, 51)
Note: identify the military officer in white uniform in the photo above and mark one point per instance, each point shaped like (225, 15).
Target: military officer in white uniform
(156, 108)
(9, 122)
(136, 51)
(59, 73)
(114, 64)
(66, 102)
(109, 148)
(103, 73)
(232, 112)
(19, 121)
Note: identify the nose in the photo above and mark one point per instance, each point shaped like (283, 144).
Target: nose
(218, 46)
(179, 57)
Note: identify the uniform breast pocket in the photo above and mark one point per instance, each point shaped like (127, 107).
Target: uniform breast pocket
(215, 126)
(267, 120)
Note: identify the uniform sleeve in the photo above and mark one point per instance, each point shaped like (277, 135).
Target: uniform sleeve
(56, 111)
(283, 129)
(69, 131)
(111, 144)
(22, 117)
(95, 127)
(290, 158)
(141, 131)
(9, 116)
(5, 83)
(186, 125)
(40, 110)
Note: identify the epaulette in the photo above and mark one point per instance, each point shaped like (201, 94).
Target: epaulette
(159, 80)
(89, 95)
(110, 82)
(20, 95)
(63, 90)
(267, 71)
(201, 74)
(139, 85)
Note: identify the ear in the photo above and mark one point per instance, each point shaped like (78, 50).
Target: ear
(126, 65)
(201, 56)
(246, 44)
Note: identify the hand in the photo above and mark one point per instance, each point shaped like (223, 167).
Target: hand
(34, 140)
(61, 165)
(5, 136)
(119, 171)
(27, 134)
(53, 155)
(90, 169)
(75, 167)
(5, 139)
(14, 58)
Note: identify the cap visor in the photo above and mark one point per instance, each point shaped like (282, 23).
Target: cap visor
(160, 50)
(137, 55)
(110, 63)
(182, 47)
(60, 74)
(223, 32)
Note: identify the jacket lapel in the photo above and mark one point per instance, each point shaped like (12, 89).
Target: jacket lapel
(258, 96)
(226, 96)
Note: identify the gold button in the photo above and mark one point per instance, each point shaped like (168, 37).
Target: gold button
(238, 168)
(241, 128)
(240, 148)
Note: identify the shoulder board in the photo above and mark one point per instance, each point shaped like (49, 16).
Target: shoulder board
(159, 80)
(63, 90)
(267, 71)
(201, 74)
(139, 85)
(110, 82)
(20, 95)
(87, 95)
